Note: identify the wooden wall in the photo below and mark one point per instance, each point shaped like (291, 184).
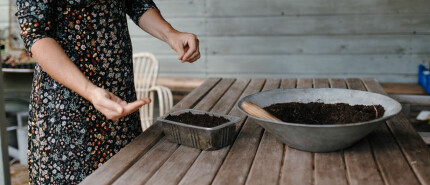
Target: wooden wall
(4, 10)
(385, 39)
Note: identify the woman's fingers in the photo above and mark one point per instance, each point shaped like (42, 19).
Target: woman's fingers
(115, 98)
(112, 105)
(180, 50)
(134, 106)
(109, 114)
(123, 103)
(128, 108)
(193, 45)
(194, 57)
(146, 100)
(106, 99)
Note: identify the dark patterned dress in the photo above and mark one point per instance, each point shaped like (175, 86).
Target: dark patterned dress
(68, 137)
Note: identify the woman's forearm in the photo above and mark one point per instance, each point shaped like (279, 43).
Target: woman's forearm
(54, 61)
(49, 54)
(153, 23)
(186, 45)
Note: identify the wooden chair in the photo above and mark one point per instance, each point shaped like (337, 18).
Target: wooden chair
(145, 67)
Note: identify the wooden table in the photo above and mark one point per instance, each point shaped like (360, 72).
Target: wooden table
(393, 154)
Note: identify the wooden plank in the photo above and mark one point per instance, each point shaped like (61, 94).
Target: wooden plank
(150, 44)
(288, 83)
(180, 161)
(126, 157)
(196, 95)
(173, 8)
(147, 43)
(313, 7)
(237, 164)
(315, 44)
(255, 86)
(210, 100)
(267, 162)
(355, 84)
(329, 167)
(338, 83)
(134, 175)
(411, 144)
(321, 83)
(207, 164)
(319, 25)
(4, 156)
(4, 12)
(304, 83)
(298, 165)
(321, 64)
(389, 158)
(360, 165)
(194, 25)
(417, 100)
(180, 84)
(359, 162)
(391, 163)
(403, 88)
(223, 106)
(175, 167)
(142, 170)
(227, 102)
(386, 77)
(170, 64)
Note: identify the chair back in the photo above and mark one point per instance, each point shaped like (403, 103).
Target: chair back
(145, 67)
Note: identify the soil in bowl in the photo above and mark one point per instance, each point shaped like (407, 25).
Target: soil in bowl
(202, 120)
(321, 113)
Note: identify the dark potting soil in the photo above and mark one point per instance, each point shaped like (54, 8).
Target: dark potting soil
(320, 113)
(203, 120)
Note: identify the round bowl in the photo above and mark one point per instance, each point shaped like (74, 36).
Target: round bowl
(321, 138)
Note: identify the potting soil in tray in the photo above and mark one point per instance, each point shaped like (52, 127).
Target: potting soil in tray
(320, 113)
(203, 120)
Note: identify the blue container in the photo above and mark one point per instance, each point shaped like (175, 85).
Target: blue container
(424, 77)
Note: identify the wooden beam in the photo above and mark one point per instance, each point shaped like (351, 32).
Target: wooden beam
(180, 84)
(4, 156)
(403, 88)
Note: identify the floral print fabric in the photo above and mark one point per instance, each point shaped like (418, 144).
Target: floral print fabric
(68, 137)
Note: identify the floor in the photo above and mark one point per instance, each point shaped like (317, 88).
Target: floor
(18, 174)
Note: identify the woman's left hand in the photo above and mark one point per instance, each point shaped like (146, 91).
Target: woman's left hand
(186, 45)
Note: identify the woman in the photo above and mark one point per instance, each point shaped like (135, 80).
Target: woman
(83, 101)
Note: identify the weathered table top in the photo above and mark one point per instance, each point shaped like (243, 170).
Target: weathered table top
(393, 154)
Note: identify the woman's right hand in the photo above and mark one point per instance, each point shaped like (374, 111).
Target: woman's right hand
(112, 106)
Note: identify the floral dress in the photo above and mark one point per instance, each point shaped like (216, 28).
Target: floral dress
(68, 137)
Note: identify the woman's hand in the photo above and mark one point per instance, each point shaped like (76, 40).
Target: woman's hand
(185, 44)
(112, 106)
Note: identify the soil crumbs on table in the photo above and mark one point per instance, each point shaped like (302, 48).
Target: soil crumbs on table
(321, 113)
(202, 120)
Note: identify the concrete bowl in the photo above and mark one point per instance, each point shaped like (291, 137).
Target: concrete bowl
(321, 138)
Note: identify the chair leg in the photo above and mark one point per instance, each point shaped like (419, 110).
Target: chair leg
(151, 110)
(168, 99)
(165, 98)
